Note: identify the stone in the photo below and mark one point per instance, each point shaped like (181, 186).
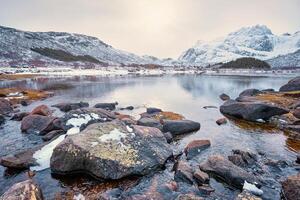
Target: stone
(106, 106)
(251, 111)
(127, 108)
(201, 177)
(206, 189)
(178, 127)
(296, 113)
(183, 172)
(5, 107)
(188, 197)
(53, 134)
(150, 122)
(221, 121)
(26, 190)
(2, 119)
(298, 159)
(19, 116)
(207, 107)
(153, 110)
(111, 150)
(66, 107)
(291, 187)
(250, 92)
(41, 110)
(227, 172)
(37, 124)
(195, 147)
(24, 102)
(245, 195)
(224, 97)
(168, 137)
(242, 158)
(292, 85)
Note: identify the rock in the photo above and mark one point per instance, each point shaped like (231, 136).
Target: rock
(2, 119)
(53, 134)
(298, 159)
(224, 97)
(268, 90)
(66, 107)
(296, 113)
(242, 158)
(295, 128)
(26, 190)
(41, 110)
(207, 107)
(183, 172)
(245, 195)
(111, 151)
(19, 116)
(127, 108)
(291, 187)
(153, 110)
(106, 106)
(112, 194)
(226, 171)
(37, 124)
(292, 85)
(251, 111)
(188, 197)
(221, 121)
(24, 102)
(250, 92)
(206, 189)
(195, 147)
(201, 177)
(168, 137)
(178, 127)
(150, 122)
(5, 107)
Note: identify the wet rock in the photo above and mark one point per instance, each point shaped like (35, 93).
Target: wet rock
(5, 107)
(112, 194)
(251, 111)
(298, 159)
(195, 147)
(150, 122)
(66, 107)
(224, 97)
(41, 110)
(24, 102)
(111, 151)
(245, 195)
(163, 116)
(207, 107)
(295, 128)
(19, 116)
(37, 124)
(153, 110)
(291, 187)
(221, 121)
(250, 92)
(242, 158)
(106, 106)
(296, 113)
(178, 127)
(127, 108)
(183, 172)
(168, 137)
(206, 189)
(268, 90)
(292, 85)
(201, 177)
(26, 190)
(226, 171)
(53, 134)
(2, 119)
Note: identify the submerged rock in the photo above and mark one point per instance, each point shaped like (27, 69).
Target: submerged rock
(292, 85)
(195, 147)
(26, 190)
(66, 107)
(251, 111)
(226, 171)
(224, 97)
(183, 172)
(106, 106)
(221, 121)
(242, 158)
(5, 107)
(178, 127)
(41, 110)
(291, 188)
(37, 124)
(111, 151)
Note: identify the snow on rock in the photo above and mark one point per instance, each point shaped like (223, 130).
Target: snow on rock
(252, 188)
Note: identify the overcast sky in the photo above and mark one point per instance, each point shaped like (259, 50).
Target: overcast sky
(162, 28)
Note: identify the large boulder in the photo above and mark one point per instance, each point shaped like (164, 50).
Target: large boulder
(291, 187)
(37, 124)
(5, 106)
(226, 171)
(41, 110)
(26, 190)
(251, 111)
(106, 106)
(249, 92)
(111, 150)
(66, 107)
(292, 85)
(178, 127)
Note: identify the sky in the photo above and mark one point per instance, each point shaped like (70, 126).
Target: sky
(161, 28)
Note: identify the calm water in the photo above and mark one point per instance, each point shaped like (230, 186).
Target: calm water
(185, 94)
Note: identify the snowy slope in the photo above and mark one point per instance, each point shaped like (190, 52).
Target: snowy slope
(16, 45)
(257, 41)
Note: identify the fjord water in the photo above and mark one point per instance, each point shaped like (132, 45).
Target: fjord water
(184, 94)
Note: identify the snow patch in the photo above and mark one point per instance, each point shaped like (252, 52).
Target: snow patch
(252, 188)
(115, 135)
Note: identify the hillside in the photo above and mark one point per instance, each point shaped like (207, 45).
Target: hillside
(246, 63)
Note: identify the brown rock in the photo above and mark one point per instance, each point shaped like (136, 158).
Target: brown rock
(224, 97)
(183, 172)
(19, 116)
(41, 110)
(296, 113)
(201, 177)
(53, 134)
(291, 187)
(37, 124)
(206, 189)
(5, 107)
(221, 121)
(195, 147)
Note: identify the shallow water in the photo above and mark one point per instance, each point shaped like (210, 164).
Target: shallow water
(184, 94)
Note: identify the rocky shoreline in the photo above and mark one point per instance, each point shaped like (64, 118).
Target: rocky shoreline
(107, 145)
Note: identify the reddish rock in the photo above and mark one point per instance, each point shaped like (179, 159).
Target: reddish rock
(206, 189)
(5, 107)
(221, 121)
(41, 110)
(195, 147)
(291, 188)
(37, 124)
(183, 172)
(201, 177)
(296, 113)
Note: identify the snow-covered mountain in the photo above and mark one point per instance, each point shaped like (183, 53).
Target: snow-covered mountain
(256, 41)
(63, 49)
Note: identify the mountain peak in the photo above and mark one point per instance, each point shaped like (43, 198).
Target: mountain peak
(253, 30)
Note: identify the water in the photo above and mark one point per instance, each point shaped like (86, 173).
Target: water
(184, 94)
